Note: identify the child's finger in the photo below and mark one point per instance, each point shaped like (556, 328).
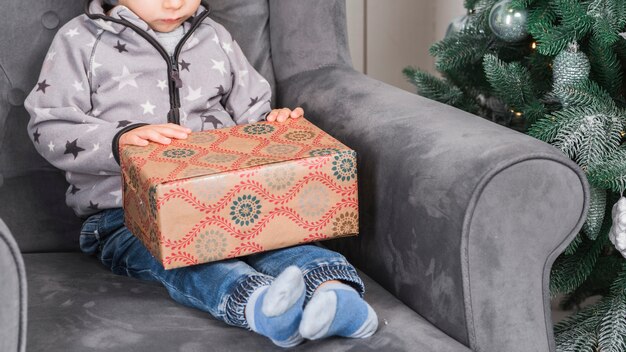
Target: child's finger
(178, 127)
(283, 114)
(272, 115)
(141, 142)
(133, 139)
(155, 136)
(297, 112)
(171, 132)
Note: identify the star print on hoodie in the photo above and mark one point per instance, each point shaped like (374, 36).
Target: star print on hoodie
(104, 75)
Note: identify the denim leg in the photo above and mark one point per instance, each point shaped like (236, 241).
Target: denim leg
(318, 265)
(220, 288)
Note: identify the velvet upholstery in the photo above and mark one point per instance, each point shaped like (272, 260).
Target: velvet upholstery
(35, 188)
(423, 168)
(460, 219)
(77, 305)
(422, 173)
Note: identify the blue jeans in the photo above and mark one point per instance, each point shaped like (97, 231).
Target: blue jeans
(220, 288)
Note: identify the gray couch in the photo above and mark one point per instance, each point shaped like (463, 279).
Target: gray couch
(461, 219)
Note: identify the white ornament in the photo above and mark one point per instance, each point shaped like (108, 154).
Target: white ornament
(617, 234)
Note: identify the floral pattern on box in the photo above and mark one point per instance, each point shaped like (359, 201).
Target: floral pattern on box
(235, 191)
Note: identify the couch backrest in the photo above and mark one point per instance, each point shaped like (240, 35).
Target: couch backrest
(32, 192)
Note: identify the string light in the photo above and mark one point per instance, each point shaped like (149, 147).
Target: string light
(516, 113)
(533, 45)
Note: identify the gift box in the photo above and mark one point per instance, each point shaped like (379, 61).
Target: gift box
(239, 190)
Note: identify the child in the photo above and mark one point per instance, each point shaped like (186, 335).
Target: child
(115, 76)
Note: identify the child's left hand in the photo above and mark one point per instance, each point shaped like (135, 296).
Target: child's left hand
(283, 114)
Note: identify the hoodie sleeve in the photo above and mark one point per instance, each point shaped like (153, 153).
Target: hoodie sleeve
(249, 98)
(63, 126)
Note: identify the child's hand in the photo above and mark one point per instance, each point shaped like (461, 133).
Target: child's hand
(156, 133)
(283, 114)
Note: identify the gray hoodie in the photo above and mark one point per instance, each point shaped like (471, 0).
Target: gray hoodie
(105, 75)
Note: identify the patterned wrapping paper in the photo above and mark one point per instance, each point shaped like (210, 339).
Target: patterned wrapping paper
(235, 191)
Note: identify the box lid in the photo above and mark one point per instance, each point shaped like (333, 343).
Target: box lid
(226, 149)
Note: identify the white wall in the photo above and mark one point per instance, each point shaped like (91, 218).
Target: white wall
(386, 36)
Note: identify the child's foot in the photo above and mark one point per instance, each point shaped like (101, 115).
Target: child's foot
(337, 309)
(275, 311)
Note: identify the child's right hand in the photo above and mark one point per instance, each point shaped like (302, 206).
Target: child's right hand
(156, 133)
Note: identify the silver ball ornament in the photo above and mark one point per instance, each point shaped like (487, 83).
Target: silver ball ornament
(457, 25)
(570, 66)
(508, 23)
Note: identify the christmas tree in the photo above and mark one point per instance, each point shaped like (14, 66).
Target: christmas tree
(554, 69)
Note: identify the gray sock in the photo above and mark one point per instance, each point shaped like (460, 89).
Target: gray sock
(337, 309)
(275, 311)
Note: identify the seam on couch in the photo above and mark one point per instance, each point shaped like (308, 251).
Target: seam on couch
(547, 266)
(21, 272)
(331, 64)
(469, 212)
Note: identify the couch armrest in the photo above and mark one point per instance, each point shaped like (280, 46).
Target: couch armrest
(461, 218)
(12, 294)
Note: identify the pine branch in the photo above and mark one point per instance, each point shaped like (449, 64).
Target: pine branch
(573, 246)
(509, 81)
(551, 40)
(609, 19)
(521, 4)
(598, 282)
(573, 15)
(470, 4)
(547, 129)
(554, 35)
(470, 79)
(481, 15)
(585, 93)
(533, 111)
(611, 172)
(432, 87)
(589, 313)
(459, 50)
(540, 68)
(595, 216)
(588, 322)
(600, 137)
(586, 135)
(540, 16)
(578, 333)
(613, 325)
(569, 271)
(605, 66)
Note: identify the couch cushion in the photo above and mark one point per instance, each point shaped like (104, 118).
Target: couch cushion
(248, 23)
(34, 189)
(75, 304)
(28, 28)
